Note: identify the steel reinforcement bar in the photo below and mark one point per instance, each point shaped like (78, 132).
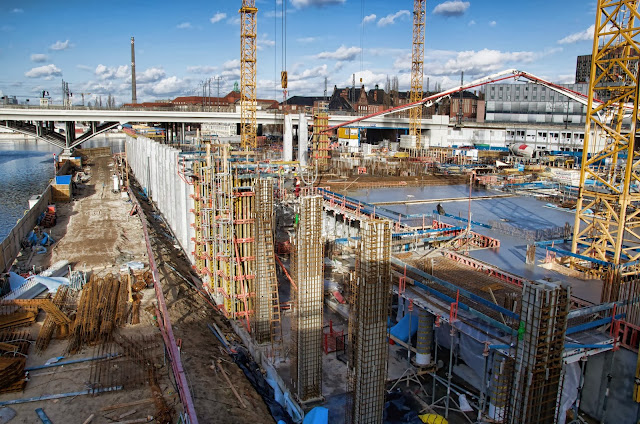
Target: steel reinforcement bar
(165, 327)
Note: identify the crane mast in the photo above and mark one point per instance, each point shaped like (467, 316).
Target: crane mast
(607, 211)
(248, 28)
(417, 71)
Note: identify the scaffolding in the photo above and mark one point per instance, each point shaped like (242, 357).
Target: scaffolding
(224, 227)
(267, 316)
(307, 321)
(368, 347)
(538, 359)
(320, 154)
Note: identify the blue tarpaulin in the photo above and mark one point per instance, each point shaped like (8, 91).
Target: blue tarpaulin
(318, 415)
(401, 330)
(63, 179)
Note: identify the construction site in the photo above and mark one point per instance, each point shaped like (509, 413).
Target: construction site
(307, 282)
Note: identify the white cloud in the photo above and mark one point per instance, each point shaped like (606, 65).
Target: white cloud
(264, 41)
(150, 75)
(231, 69)
(184, 25)
(39, 57)
(231, 64)
(565, 79)
(586, 35)
(493, 23)
(477, 62)
(234, 21)
(390, 19)
(17, 10)
(201, 69)
(306, 40)
(60, 45)
(218, 17)
(471, 22)
(170, 86)
(107, 72)
(318, 71)
(451, 8)
(369, 18)
(84, 67)
(317, 3)
(50, 70)
(342, 53)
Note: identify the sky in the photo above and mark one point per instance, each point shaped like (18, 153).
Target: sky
(181, 45)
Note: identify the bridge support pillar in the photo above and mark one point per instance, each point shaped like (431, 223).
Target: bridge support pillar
(70, 137)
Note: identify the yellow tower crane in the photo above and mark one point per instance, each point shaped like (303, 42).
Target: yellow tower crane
(248, 28)
(607, 211)
(417, 71)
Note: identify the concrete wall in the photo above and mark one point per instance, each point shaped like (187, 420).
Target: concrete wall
(156, 166)
(620, 407)
(10, 246)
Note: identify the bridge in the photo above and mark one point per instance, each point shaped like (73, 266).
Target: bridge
(38, 122)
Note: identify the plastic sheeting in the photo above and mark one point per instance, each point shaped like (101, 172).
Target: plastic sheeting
(569, 390)
(407, 324)
(317, 415)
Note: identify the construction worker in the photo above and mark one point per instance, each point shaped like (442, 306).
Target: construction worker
(297, 189)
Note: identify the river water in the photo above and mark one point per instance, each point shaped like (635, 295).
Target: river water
(26, 168)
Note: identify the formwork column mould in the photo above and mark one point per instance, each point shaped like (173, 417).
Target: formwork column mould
(539, 349)
(320, 149)
(368, 350)
(307, 321)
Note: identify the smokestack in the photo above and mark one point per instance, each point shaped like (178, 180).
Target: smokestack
(134, 99)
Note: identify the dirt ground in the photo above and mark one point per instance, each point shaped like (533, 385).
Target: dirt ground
(96, 233)
(190, 312)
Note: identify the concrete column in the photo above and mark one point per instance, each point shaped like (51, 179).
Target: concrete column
(303, 139)
(287, 141)
(425, 336)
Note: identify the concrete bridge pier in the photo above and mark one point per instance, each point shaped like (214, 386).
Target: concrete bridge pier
(70, 138)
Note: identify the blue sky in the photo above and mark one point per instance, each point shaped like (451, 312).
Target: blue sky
(178, 45)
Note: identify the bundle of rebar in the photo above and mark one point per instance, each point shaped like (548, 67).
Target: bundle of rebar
(50, 325)
(11, 372)
(103, 306)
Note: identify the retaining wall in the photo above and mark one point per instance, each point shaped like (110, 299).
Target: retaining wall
(10, 246)
(155, 166)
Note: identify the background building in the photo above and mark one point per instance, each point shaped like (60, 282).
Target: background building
(534, 104)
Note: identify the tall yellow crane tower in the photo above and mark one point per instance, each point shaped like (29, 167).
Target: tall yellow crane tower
(417, 70)
(607, 211)
(248, 28)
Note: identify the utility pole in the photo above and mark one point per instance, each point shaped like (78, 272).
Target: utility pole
(217, 78)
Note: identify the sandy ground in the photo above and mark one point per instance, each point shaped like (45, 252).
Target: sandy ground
(96, 234)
